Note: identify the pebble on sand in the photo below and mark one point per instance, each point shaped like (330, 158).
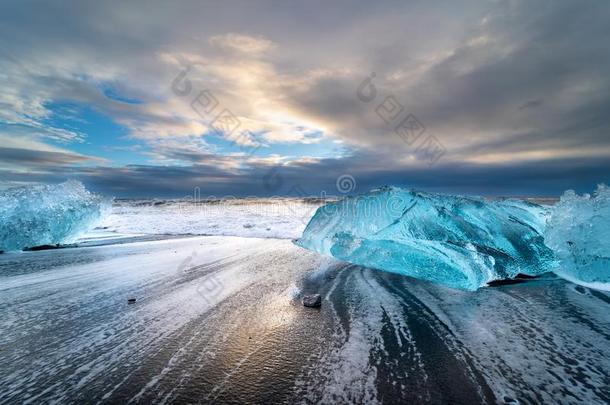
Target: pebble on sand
(312, 300)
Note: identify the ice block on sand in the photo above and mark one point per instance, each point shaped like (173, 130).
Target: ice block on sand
(461, 242)
(578, 231)
(47, 214)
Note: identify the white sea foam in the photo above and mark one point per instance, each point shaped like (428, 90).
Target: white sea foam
(282, 218)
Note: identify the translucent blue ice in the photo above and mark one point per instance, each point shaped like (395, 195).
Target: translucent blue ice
(461, 242)
(47, 214)
(578, 231)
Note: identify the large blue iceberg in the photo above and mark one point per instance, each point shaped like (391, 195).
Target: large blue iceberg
(578, 231)
(47, 214)
(461, 242)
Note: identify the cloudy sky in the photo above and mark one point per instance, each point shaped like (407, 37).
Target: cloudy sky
(272, 97)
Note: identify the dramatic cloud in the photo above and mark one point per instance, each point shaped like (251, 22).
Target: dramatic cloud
(509, 92)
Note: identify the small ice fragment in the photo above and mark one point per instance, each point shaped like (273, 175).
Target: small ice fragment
(312, 300)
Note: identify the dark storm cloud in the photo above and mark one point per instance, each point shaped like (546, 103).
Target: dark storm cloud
(540, 178)
(40, 159)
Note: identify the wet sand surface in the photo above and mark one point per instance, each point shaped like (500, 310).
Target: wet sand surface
(219, 320)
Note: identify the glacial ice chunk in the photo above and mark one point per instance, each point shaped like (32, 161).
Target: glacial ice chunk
(47, 214)
(578, 231)
(461, 242)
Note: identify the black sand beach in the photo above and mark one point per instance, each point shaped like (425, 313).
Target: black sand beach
(219, 320)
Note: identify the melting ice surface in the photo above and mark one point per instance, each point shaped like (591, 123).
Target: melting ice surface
(47, 214)
(461, 242)
(578, 231)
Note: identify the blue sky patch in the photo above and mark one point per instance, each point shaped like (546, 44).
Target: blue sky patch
(103, 137)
